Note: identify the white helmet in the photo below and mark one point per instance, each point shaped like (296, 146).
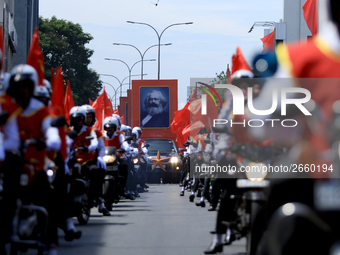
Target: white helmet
(242, 74)
(128, 130)
(41, 91)
(119, 120)
(111, 122)
(22, 73)
(138, 129)
(135, 133)
(89, 109)
(4, 81)
(77, 112)
(123, 128)
(48, 86)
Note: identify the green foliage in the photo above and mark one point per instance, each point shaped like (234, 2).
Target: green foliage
(63, 44)
(220, 79)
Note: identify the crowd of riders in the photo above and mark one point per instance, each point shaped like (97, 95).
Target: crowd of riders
(283, 211)
(36, 175)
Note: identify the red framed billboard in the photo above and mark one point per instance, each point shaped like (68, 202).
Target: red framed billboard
(154, 103)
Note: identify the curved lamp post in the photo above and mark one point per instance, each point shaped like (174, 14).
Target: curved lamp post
(140, 53)
(129, 68)
(159, 37)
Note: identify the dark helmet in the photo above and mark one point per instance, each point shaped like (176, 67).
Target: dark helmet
(22, 75)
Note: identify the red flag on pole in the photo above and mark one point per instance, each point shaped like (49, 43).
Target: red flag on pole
(239, 62)
(310, 12)
(69, 103)
(57, 97)
(90, 101)
(102, 105)
(269, 42)
(35, 57)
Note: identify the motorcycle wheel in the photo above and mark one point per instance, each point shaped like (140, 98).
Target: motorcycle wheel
(252, 236)
(108, 191)
(84, 214)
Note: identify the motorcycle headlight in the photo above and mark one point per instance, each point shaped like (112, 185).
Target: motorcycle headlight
(135, 161)
(256, 171)
(174, 160)
(109, 158)
(50, 175)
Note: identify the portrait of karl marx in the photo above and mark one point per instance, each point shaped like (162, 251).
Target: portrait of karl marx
(155, 114)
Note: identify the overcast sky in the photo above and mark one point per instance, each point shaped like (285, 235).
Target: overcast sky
(198, 50)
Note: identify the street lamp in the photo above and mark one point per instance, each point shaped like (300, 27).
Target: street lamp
(121, 82)
(159, 38)
(140, 53)
(130, 69)
(261, 24)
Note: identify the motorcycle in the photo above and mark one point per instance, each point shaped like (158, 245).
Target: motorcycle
(112, 182)
(77, 186)
(249, 196)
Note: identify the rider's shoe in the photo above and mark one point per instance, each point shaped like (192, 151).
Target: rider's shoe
(213, 248)
(136, 193)
(130, 196)
(191, 198)
(201, 204)
(104, 211)
(72, 234)
(211, 208)
(181, 194)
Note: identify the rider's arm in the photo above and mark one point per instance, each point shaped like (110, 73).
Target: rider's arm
(101, 147)
(53, 141)
(12, 137)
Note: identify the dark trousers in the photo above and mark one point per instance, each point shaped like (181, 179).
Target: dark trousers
(96, 177)
(10, 169)
(227, 206)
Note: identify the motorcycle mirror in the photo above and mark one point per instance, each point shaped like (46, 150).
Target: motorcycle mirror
(121, 150)
(72, 134)
(3, 117)
(59, 121)
(88, 138)
(128, 138)
(207, 141)
(221, 129)
(134, 145)
(146, 145)
(180, 149)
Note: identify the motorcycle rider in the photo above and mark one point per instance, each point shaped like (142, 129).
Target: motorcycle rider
(315, 59)
(241, 71)
(144, 162)
(35, 123)
(88, 157)
(64, 200)
(114, 137)
(10, 162)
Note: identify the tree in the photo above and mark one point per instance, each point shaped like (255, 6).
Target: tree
(220, 79)
(63, 44)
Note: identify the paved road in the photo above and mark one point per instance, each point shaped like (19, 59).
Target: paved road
(160, 222)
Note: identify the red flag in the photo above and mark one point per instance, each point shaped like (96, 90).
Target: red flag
(116, 111)
(196, 111)
(228, 73)
(35, 57)
(182, 120)
(194, 129)
(69, 103)
(102, 103)
(239, 62)
(269, 42)
(2, 48)
(90, 101)
(310, 12)
(57, 84)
